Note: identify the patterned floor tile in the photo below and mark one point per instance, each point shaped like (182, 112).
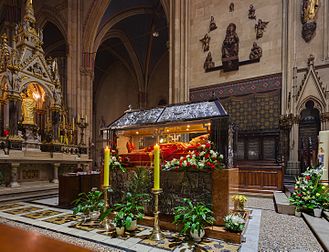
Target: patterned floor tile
(170, 242)
(60, 220)
(127, 234)
(88, 226)
(8, 206)
(41, 214)
(22, 210)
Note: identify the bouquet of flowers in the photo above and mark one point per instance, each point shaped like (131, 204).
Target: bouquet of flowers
(239, 201)
(309, 193)
(204, 157)
(116, 161)
(234, 223)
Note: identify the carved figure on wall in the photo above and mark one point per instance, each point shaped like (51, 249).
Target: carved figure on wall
(28, 107)
(208, 62)
(256, 52)
(252, 12)
(230, 49)
(205, 42)
(231, 7)
(309, 16)
(260, 28)
(212, 25)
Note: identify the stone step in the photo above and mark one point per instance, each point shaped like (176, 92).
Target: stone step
(320, 228)
(282, 204)
(326, 215)
(28, 191)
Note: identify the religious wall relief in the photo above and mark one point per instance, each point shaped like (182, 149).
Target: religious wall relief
(256, 52)
(212, 25)
(260, 28)
(205, 42)
(208, 64)
(231, 7)
(230, 49)
(308, 18)
(252, 12)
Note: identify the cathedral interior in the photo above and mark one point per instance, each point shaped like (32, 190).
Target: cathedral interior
(223, 103)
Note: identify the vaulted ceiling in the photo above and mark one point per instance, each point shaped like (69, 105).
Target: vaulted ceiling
(142, 33)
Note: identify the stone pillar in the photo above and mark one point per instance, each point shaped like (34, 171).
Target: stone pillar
(55, 175)
(179, 42)
(14, 175)
(14, 102)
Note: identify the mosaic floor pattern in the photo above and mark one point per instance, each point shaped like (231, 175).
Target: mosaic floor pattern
(41, 214)
(138, 240)
(60, 220)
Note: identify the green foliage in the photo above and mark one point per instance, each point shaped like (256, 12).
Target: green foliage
(234, 223)
(89, 202)
(309, 193)
(132, 207)
(194, 217)
(120, 219)
(139, 181)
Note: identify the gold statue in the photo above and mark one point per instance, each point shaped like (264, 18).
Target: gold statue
(310, 10)
(28, 108)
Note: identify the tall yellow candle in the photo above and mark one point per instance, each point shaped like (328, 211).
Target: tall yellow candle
(156, 166)
(107, 157)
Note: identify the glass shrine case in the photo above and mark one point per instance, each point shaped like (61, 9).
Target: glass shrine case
(177, 128)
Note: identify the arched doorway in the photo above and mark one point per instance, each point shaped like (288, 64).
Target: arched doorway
(309, 127)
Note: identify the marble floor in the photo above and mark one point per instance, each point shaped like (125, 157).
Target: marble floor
(39, 214)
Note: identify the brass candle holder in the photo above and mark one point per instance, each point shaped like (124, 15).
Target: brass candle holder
(106, 222)
(156, 233)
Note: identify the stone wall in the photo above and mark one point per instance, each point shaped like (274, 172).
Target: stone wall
(200, 12)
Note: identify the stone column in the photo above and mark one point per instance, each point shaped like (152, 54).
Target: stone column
(55, 175)
(14, 175)
(179, 43)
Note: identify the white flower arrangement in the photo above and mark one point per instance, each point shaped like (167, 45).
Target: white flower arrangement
(234, 223)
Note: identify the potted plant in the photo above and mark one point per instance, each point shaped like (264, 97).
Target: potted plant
(133, 208)
(120, 222)
(239, 202)
(308, 193)
(234, 223)
(194, 218)
(90, 203)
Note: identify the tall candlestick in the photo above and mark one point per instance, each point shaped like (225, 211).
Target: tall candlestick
(156, 166)
(86, 118)
(78, 118)
(73, 126)
(107, 157)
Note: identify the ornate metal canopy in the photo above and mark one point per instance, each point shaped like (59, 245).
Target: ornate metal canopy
(172, 114)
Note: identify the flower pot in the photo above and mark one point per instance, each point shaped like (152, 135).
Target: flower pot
(298, 213)
(317, 212)
(94, 215)
(133, 226)
(195, 235)
(120, 231)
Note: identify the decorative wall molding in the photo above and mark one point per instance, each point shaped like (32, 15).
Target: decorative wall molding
(237, 88)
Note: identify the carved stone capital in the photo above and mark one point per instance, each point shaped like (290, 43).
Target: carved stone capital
(85, 71)
(324, 117)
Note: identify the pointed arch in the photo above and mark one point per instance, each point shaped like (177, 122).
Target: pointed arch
(93, 20)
